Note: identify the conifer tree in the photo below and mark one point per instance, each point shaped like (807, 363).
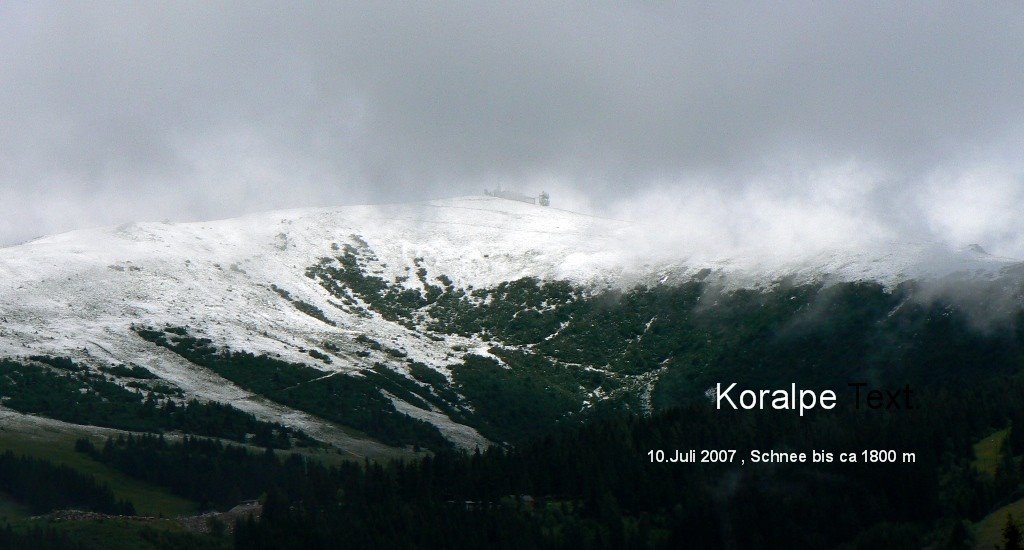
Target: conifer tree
(1011, 534)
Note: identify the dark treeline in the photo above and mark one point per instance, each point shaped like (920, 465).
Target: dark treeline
(594, 486)
(220, 420)
(206, 471)
(103, 534)
(37, 538)
(72, 393)
(354, 401)
(44, 487)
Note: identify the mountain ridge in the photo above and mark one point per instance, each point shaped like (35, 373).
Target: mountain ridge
(284, 284)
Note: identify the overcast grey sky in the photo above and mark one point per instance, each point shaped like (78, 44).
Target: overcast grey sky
(797, 120)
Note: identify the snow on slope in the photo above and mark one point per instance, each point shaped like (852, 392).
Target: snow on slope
(72, 290)
(77, 294)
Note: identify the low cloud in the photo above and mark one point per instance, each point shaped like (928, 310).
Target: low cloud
(782, 129)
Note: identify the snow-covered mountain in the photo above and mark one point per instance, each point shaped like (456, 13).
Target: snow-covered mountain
(246, 284)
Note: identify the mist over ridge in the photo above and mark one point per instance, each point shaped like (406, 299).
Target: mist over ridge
(780, 130)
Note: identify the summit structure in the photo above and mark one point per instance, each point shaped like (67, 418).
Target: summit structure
(543, 199)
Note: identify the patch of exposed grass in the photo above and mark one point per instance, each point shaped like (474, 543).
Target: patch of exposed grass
(986, 451)
(58, 448)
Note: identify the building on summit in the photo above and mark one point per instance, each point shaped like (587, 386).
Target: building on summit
(543, 199)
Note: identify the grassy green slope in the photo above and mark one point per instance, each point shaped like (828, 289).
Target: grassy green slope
(58, 447)
(986, 451)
